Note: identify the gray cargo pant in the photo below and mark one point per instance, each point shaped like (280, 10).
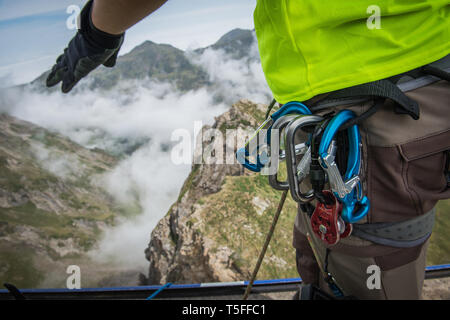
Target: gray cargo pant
(403, 169)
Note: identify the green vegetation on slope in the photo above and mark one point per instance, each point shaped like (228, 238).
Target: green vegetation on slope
(18, 265)
(239, 217)
(439, 248)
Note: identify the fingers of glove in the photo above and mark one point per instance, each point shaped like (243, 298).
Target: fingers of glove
(57, 72)
(111, 62)
(83, 67)
(68, 82)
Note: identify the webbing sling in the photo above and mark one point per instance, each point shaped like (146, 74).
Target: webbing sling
(404, 234)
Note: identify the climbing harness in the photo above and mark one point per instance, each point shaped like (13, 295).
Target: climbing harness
(330, 154)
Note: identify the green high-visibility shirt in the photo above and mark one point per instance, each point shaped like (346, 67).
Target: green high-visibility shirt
(309, 47)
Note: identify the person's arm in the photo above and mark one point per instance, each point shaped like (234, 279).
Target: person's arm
(116, 16)
(101, 32)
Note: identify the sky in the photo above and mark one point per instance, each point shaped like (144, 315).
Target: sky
(35, 32)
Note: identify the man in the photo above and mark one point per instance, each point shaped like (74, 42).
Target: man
(321, 52)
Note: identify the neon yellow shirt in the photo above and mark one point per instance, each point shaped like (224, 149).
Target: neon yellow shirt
(308, 47)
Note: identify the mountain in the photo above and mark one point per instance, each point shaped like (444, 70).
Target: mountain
(51, 212)
(237, 43)
(162, 63)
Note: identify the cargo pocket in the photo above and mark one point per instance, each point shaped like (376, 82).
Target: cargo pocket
(424, 170)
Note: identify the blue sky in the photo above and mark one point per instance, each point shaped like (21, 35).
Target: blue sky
(34, 33)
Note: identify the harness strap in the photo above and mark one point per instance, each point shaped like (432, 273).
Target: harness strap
(392, 88)
(404, 234)
(381, 88)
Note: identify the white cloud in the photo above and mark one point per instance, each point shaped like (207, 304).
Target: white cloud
(65, 166)
(145, 114)
(26, 71)
(93, 119)
(236, 79)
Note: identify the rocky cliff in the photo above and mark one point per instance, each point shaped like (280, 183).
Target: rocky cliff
(215, 229)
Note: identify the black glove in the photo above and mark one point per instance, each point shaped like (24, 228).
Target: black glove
(86, 51)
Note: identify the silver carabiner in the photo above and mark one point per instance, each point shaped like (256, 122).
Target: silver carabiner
(291, 159)
(275, 152)
(329, 165)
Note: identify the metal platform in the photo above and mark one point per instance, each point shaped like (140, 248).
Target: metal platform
(207, 291)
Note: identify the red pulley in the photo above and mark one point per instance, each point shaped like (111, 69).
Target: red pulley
(326, 221)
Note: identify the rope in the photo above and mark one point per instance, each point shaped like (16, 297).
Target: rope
(270, 107)
(266, 245)
(159, 290)
(14, 291)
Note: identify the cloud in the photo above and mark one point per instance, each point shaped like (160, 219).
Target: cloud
(65, 166)
(135, 120)
(235, 79)
(151, 175)
(24, 72)
(145, 117)
(6, 79)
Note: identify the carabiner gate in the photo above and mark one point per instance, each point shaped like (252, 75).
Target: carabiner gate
(348, 188)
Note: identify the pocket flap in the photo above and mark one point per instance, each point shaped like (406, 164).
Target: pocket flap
(426, 146)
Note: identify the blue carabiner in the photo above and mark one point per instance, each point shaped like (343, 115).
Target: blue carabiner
(289, 108)
(354, 198)
(242, 157)
(293, 107)
(350, 201)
